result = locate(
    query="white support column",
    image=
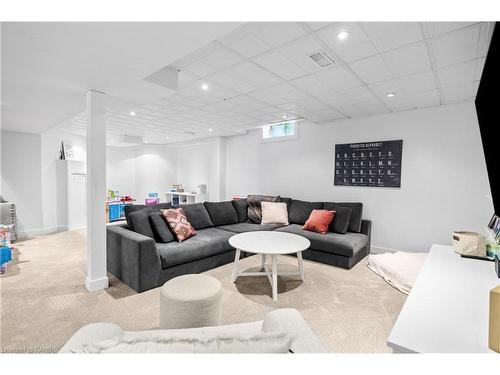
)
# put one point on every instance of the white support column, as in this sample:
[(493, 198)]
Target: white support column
[(96, 191)]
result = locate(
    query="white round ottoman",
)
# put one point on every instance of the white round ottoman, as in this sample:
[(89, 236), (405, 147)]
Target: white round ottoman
[(190, 301)]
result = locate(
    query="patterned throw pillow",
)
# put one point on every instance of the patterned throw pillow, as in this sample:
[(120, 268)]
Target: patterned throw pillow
[(255, 208), (178, 223)]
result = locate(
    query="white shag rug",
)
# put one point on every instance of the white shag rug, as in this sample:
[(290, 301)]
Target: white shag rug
[(399, 269)]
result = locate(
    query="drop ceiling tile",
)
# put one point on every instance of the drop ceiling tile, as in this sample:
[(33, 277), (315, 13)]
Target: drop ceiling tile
[(280, 65), (372, 69), (417, 82), (408, 60), (381, 89), (266, 96), (456, 47), (356, 47), (425, 99), (249, 45), (311, 104), (287, 92), (199, 69), (458, 73), (253, 75), (338, 79), (297, 51), (459, 92), (318, 25), (278, 33), (310, 85), (438, 28), (221, 59), (389, 35)]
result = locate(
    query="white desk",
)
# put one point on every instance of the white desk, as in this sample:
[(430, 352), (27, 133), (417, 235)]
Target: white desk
[(448, 308)]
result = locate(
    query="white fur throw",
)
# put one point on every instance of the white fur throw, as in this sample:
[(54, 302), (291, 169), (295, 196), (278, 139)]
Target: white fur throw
[(399, 269)]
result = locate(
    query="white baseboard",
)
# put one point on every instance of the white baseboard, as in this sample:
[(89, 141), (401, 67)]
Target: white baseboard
[(96, 285)]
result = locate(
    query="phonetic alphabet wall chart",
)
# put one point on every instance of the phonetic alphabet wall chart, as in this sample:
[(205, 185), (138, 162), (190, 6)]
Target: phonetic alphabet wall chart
[(369, 164)]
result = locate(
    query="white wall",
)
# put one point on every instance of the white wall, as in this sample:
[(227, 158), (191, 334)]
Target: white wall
[(50, 146), (120, 170), (444, 182), (202, 162), (155, 170), (21, 179)]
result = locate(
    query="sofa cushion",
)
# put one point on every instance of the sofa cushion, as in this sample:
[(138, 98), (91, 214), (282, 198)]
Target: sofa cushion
[(207, 242), (288, 202), (129, 208), (222, 213), (139, 222), (254, 206), (356, 215), (274, 213), (301, 210), (178, 223), (341, 218), (347, 244), (241, 207), (197, 215), (160, 228), (319, 221), (249, 227)]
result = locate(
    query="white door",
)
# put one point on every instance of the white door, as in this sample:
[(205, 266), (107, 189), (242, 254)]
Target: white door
[(77, 205)]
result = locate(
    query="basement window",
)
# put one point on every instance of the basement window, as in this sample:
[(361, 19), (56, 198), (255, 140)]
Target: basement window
[(280, 131)]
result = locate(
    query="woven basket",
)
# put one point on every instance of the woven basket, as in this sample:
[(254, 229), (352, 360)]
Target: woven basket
[(469, 243)]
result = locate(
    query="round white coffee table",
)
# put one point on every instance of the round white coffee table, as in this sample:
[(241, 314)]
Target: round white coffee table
[(269, 243)]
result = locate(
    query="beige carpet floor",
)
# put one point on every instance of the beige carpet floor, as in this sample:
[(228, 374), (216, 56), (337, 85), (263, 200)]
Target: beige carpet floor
[(43, 299)]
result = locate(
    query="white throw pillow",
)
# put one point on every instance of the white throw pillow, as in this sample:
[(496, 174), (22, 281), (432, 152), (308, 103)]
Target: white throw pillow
[(188, 343), (274, 213)]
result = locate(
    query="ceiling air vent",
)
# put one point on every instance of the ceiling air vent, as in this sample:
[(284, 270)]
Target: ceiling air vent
[(321, 59)]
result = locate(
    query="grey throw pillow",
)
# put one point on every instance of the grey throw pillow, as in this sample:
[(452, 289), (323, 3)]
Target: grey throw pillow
[(341, 219), (129, 208), (139, 221), (356, 215), (254, 211), (160, 228)]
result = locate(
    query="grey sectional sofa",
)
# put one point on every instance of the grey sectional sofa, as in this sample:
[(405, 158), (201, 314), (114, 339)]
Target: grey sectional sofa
[(138, 257)]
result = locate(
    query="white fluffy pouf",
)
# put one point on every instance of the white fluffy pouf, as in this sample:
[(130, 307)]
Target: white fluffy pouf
[(399, 269), (190, 301)]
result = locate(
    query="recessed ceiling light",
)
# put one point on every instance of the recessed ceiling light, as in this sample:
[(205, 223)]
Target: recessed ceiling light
[(132, 113), (343, 35), (166, 137), (210, 129), (284, 116), (204, 87), (391, 94)]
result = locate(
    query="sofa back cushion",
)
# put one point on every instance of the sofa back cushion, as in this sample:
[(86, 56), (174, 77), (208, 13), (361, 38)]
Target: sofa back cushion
[(254, 206), (129, 208), (222, 213), (341, 218), (356, 215), (178, 223), (160, 228), (288, 202), (241, 207), (197, 215), (301, 210), (139, 222)]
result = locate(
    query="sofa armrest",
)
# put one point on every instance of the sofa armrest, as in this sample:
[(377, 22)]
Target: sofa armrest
[(93, 332), (133, 258), (291, 322), (366, 228)]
